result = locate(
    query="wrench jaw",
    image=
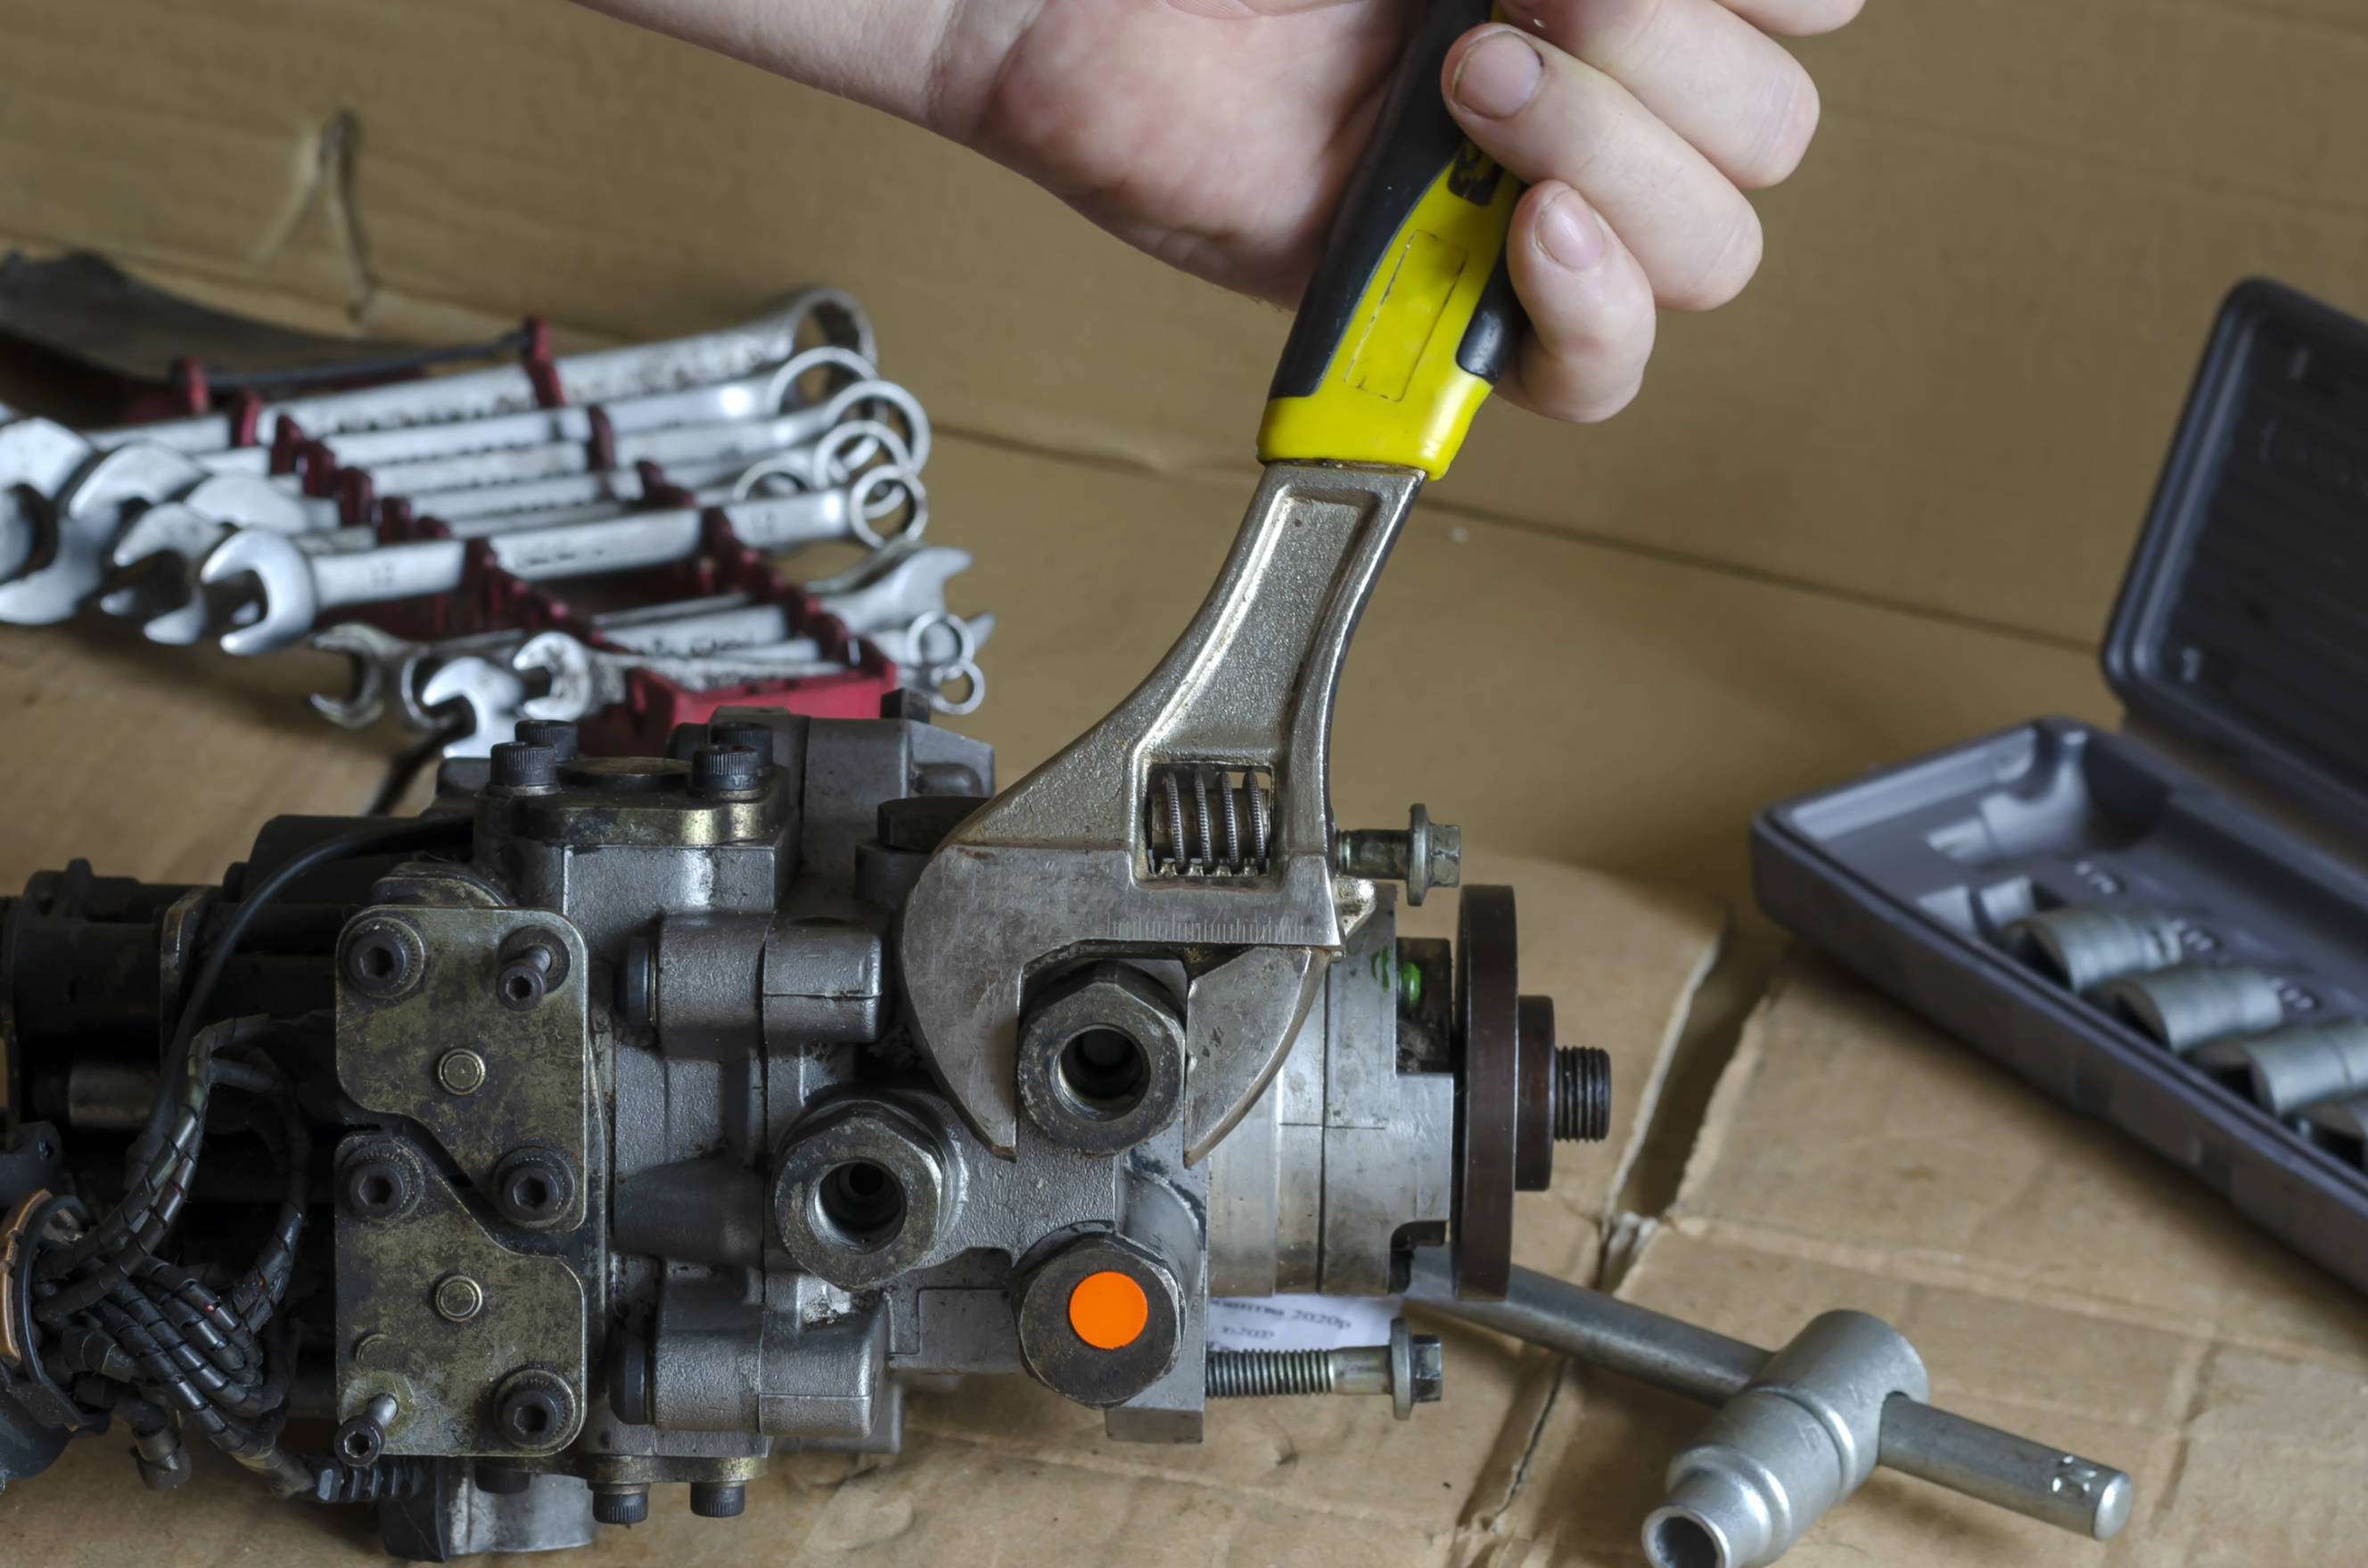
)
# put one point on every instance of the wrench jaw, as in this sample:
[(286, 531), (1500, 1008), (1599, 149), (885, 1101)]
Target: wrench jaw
[(283, 584), (1062, 864), (89, 512), (492, 695)]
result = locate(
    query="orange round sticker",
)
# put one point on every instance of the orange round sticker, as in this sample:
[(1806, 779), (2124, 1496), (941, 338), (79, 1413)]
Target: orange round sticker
[(1109, 1310)]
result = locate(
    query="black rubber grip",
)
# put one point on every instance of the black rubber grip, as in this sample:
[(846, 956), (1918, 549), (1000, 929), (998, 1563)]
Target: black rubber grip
[(1413, 138)]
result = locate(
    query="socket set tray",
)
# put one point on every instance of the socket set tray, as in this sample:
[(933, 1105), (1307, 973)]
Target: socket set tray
[(2166, 927)]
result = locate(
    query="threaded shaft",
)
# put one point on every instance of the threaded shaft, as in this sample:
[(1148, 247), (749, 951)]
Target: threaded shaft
[(1264, 1374), (1582, 1093), (391, 1478)]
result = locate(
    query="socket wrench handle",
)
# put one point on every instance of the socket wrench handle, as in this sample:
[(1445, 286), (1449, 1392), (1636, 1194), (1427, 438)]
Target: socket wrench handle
[(1917, 1440)]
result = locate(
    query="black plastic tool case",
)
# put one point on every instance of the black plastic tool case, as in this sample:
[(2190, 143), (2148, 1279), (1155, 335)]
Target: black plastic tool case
[(2236, 801)]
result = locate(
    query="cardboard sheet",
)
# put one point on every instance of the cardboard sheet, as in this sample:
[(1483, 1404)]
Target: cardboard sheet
[(2059, 1281)]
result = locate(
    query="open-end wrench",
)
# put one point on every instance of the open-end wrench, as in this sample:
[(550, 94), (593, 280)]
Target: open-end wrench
[(886, 597), (165, 591), (87, 515), (1397, 341), (37, 457), (295, 584), (766, 394), (834, 458), (601, 377), (749, 438)]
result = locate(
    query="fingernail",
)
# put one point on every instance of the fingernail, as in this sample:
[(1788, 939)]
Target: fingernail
[(1571, 233), (1500, 73)]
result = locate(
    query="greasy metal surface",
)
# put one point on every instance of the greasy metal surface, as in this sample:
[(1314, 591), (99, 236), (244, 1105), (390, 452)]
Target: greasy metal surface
[(442, 1373), (537, 1085), (1059, 859)]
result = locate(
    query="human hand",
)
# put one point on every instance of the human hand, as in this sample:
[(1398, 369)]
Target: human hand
[(1217, 134)]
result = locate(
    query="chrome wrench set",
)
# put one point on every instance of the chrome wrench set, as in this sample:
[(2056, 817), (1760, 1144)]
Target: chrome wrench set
[(584, 538)]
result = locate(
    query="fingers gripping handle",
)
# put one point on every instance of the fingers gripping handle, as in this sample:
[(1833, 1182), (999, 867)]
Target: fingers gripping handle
[(1410, 316)]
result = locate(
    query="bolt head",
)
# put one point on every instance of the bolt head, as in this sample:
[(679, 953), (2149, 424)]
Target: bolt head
[(461, 1071), (458, 1298)]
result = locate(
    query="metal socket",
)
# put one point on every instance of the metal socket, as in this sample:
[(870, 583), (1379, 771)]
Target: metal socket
[(1798, 1441), (2291, 1068), (2083, 946), (2194, 1003)]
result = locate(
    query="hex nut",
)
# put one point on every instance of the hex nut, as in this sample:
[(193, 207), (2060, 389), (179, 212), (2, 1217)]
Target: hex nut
[(1059, 1356), (534, 1187), (382, 957), (379, 1179), (534, 1410), (461, 1071), (861, 1193), (1102, 1059), (458, 1298)]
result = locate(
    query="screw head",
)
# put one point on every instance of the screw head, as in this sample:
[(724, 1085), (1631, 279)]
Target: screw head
[(461, 1071), (523, 765), (725, 769), (534, 1409), (458, 1298)]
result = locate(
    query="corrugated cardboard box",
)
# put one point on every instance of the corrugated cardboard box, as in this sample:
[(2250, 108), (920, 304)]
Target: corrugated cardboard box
[(1877, 506)]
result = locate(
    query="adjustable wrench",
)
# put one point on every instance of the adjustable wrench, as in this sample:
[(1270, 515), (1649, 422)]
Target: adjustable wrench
[(296, 585), (601, 377), (1402, 333)]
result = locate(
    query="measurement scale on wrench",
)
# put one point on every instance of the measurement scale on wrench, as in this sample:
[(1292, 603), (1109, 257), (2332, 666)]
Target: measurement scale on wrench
[(1195, 821)]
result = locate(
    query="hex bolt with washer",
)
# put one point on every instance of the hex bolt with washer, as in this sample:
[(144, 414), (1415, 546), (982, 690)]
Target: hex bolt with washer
[(534, 1187), (382, 957), (1426, 855), (1409, 1368), (534, 965), (1102, 1059), (458, 1298), (380, 1180), (533, 1409), (461, 1071)]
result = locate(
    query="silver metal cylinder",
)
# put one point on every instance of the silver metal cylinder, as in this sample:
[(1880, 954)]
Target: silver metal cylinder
[(2084, 947), (2194, 1003), (2294, 1067), (1800, 1438)]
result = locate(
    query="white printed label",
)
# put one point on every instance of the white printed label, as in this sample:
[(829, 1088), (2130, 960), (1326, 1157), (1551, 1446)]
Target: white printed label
[(1299, 1322)]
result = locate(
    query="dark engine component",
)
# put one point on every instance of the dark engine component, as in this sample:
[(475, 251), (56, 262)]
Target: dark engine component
[(573, 1138)]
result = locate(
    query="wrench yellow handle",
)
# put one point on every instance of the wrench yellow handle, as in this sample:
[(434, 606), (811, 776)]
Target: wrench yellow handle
[(1410, 316)]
